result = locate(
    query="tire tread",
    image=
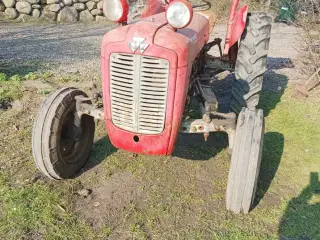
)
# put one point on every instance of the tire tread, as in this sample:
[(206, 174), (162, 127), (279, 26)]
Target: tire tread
[(251, 62)]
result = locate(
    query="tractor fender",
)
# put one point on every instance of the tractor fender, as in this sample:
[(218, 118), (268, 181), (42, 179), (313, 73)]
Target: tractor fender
[(239, 24)]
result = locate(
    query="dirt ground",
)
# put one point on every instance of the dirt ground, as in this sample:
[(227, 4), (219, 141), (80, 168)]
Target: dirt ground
[(146, 197)]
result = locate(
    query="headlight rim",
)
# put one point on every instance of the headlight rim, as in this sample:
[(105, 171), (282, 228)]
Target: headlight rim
[(125, 10), (188, 7)]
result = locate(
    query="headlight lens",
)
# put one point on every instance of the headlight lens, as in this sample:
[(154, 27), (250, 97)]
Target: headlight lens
[(116, 10), (179, 14)]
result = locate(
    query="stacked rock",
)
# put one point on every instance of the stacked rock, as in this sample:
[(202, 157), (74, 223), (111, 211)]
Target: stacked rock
[(53, 10)]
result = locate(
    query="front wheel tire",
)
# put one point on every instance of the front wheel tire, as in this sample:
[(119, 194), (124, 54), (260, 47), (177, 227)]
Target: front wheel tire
[(60, 149), (245, 161)]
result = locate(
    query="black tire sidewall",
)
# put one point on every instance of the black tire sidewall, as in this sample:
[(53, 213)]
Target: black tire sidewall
[(46, 135)]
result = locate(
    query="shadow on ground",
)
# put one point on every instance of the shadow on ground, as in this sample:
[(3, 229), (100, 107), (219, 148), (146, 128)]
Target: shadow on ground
[(279, 63), (193, 146), (100, 151), (302, 216), (273, 145), (20, 67)]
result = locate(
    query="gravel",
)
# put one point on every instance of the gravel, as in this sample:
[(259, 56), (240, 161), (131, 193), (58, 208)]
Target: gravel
[(60, 47)]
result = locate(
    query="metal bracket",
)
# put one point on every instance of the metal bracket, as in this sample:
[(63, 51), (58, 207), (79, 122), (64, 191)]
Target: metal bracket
[(215, 122), (83, 107)]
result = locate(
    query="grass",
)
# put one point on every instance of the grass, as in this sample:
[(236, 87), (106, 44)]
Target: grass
[(11, 85), (174, 197), (36, 210), (10, 89)]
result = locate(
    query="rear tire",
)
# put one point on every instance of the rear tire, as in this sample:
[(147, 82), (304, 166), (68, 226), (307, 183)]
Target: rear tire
[(251, 62), (59, 153), (245, 161)]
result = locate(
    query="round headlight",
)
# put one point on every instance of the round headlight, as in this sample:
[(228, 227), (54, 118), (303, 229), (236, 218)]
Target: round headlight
[(116, 10), (179, 13)]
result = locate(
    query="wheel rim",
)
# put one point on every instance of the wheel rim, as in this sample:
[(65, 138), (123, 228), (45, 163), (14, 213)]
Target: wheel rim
[(72, 144)]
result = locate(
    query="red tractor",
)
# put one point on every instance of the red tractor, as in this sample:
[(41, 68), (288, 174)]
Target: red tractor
[(153, 67)]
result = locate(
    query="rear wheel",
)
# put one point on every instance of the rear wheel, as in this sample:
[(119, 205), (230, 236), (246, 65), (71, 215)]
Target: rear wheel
[(60, 148), (251, 62), (245, 161)]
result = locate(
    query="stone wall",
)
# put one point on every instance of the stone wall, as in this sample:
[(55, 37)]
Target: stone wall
[(53, 10)]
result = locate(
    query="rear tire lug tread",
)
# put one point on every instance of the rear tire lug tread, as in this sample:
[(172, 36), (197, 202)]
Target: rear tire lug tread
[(251, 62)]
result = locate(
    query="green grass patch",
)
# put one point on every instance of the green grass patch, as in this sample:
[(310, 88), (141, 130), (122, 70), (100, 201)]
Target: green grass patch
[(3, 77), (37, 210), (9, 91)]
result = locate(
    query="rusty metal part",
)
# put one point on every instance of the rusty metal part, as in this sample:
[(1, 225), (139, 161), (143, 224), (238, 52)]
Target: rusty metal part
[(205, 135), (84, 106), (209, 100), (215, 122), (96, 94), (211, 103)]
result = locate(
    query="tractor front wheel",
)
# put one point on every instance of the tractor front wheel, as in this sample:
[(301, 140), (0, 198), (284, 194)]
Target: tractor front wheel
[(245, 161), (60, 148)]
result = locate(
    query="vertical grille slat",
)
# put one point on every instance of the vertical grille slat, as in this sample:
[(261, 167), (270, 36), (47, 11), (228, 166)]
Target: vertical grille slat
[(138, 90)]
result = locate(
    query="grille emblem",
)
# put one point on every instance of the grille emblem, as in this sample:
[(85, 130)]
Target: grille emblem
[(137, 43)]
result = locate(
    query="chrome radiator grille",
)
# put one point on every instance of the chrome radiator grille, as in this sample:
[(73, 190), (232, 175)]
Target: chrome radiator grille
[(138, 90)]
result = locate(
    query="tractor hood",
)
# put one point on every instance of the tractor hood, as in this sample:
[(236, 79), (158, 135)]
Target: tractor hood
[(139, 38)]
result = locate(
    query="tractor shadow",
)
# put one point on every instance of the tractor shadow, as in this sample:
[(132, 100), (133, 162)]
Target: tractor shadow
[(301, 217), (274, 85), (19, 67), (193, 146), (101, 149), (273, 145)]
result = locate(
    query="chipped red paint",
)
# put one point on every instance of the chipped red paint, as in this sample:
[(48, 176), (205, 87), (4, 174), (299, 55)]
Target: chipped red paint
[(239, 24), (180, 48)]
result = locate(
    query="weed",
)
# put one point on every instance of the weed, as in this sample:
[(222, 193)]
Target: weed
[(45, 91), (31, 76), (46, 75), (9, 91), (137, 231), (106, 232), (15, 78), (3, 77)]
